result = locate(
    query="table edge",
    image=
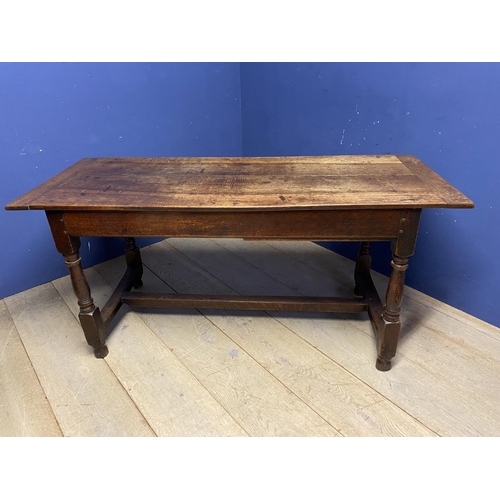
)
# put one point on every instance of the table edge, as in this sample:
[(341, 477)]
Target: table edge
[(452, 197)]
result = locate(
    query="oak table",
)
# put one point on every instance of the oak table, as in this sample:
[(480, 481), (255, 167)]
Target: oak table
[(327, 198)]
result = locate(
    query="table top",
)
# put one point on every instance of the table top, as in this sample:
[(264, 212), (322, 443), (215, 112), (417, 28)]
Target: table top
[(270, 183)]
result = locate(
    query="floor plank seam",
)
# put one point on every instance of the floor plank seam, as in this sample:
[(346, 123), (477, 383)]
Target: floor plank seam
[(413, 296), (109, 367), (357, 378), (36, 374), (451, 384), (409, 297), (236, 254), (458, 320), (132, 399), (248, 354), (458, 400), (304, 340), (179, 359), (337, 255), (335, 315), (278, 380)]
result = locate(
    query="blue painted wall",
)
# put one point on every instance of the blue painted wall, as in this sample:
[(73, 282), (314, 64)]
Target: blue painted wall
[(448, 115), (52, 115)]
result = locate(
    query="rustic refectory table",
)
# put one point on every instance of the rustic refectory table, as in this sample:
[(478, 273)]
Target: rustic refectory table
[(328, 198)]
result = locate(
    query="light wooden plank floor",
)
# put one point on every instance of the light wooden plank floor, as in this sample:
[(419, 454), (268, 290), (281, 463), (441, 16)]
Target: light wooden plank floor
[(235, 373)]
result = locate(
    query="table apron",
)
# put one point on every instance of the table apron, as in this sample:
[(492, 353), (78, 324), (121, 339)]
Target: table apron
[(316, 225)]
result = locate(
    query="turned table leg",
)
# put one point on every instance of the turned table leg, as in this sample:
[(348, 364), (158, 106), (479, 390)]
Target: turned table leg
[(363, 264), (391, 321), (89, 315), (390, 325)]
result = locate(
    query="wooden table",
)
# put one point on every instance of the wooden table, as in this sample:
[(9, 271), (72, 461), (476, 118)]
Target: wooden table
[(328, 198)]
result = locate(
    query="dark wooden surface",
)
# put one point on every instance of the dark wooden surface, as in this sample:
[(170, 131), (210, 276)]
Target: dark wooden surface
[(340, 225), (279, 183), (256, 303), (343, 198)]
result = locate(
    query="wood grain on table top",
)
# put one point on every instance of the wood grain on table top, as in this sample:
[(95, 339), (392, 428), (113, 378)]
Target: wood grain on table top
[(272, 183)]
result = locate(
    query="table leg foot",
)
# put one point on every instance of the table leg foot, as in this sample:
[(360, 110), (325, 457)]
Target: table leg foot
[(383, 365), (101, 352)]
